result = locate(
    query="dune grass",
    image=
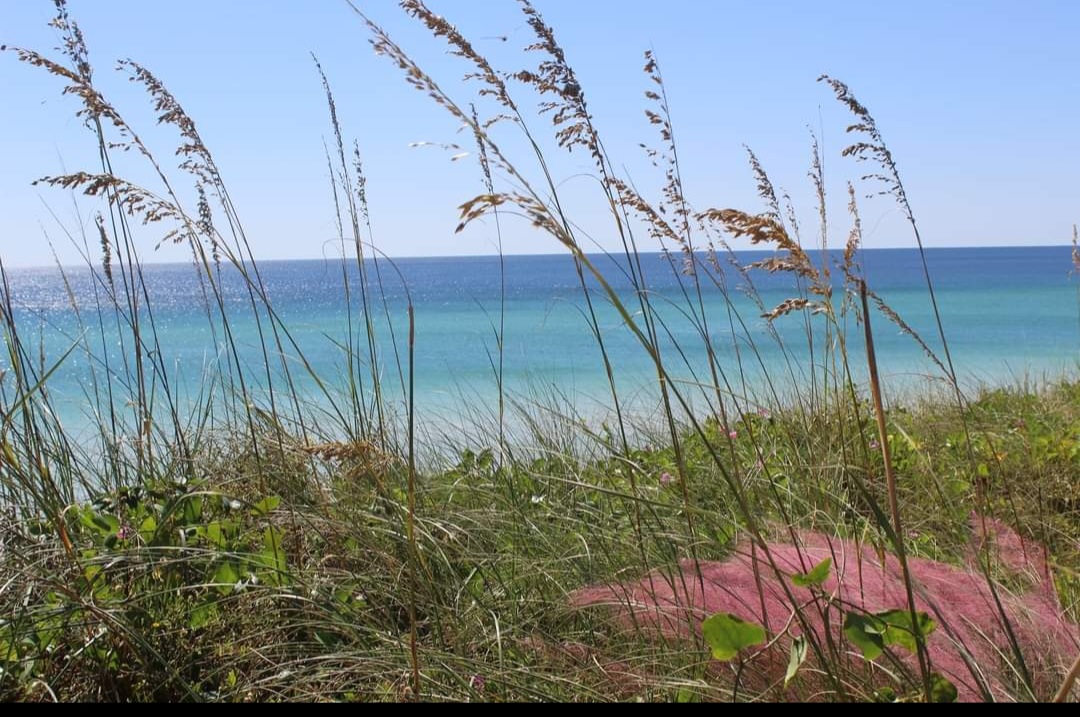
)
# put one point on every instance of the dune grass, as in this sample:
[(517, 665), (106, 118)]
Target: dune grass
[(269, 542)]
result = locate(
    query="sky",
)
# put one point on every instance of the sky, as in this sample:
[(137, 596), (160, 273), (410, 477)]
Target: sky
[(978, 100)]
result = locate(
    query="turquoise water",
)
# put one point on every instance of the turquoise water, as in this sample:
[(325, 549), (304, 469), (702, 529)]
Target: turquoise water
[(1008, 314)]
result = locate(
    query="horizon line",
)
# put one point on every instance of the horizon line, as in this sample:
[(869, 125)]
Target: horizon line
[(324, 259)]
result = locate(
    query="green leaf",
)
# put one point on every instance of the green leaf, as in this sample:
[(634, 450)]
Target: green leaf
[(900, 632), (104, 525), (148, 529), (866, 633), (91, 573), (273, 555), (8, 653), (816, 577), (193, 510), (798, 657), (727, 635), (226, 577), (47, 634), (107, 524), (686, 696), (873, 633), (216, 535), (942, 691), (886, 695), (202, 615), (266, 506)]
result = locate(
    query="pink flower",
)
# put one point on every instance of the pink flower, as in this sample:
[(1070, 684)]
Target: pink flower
[(125, 533), (478, 683), (733, 435), (765, 413), (874, 445), (666, 479)]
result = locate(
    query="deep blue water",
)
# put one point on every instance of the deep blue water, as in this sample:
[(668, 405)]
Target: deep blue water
[(1007, 313)]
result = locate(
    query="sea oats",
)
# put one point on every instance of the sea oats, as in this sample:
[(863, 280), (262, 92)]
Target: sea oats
[(106, 249)]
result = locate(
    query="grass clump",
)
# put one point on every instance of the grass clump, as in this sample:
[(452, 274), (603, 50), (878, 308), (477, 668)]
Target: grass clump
[(279, 537), (217, 589)]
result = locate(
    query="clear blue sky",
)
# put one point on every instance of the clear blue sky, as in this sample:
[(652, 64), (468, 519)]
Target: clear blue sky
[(979, 100)]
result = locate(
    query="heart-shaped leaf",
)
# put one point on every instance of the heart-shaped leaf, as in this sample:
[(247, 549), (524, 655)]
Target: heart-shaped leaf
[(899, 631), (873, 633), (942, 691), (727, 635), (866, 633), (816, 577)]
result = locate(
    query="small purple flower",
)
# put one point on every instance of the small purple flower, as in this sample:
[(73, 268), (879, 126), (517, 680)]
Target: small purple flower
[(478, 683), (733, 435), (125, 533), (765, 413), (666, 480), (874, 445)]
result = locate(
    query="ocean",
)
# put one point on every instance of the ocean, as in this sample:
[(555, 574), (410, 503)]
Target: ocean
[(1009, 314)]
